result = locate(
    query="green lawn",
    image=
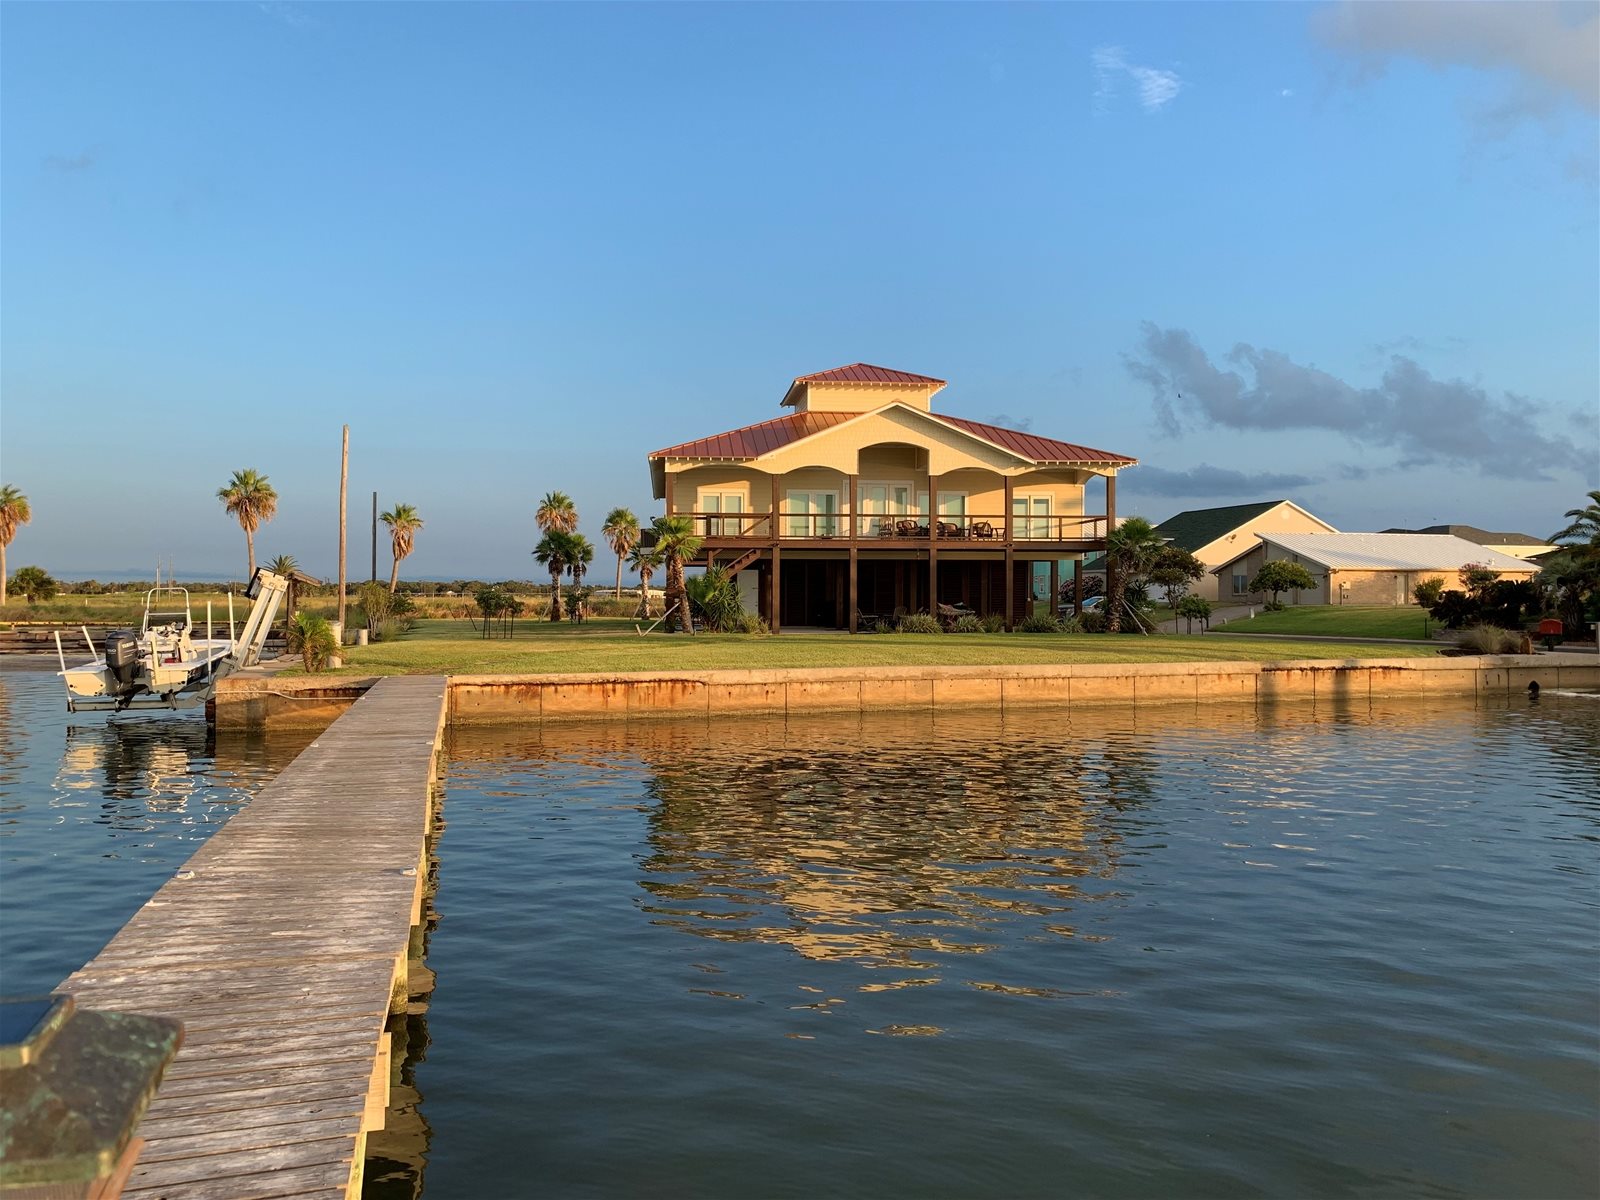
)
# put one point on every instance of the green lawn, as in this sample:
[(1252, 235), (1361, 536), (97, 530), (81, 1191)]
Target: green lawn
[(452, 648), (1334, 620)]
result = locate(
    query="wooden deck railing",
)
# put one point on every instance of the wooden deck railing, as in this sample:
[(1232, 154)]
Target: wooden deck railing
[(903, 528)]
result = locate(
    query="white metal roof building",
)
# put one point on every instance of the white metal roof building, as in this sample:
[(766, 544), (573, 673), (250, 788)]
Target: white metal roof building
[(1392, 551), (1364, 568)]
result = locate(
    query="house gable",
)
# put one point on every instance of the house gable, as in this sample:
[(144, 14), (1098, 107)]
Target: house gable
[(1216, 535)]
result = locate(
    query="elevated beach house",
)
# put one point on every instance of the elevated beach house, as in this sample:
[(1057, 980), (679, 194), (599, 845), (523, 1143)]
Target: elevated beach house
[(863, 502)]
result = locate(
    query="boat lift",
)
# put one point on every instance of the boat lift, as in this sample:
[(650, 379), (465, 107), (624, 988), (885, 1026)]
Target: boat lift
[(164, 665)]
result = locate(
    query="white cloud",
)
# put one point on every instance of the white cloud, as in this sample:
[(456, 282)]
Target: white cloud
[(1155, 88)]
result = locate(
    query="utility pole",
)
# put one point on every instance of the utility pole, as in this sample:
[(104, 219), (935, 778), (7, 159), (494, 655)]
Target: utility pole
[(344, 485), (374, 537)]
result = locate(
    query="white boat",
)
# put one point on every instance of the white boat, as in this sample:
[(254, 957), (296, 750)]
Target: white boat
[(163, 664)]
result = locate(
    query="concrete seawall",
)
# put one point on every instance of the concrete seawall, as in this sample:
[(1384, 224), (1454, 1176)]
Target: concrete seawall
[(253, 702)]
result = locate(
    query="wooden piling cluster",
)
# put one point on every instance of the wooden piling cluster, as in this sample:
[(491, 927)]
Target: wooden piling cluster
[(282, 945)]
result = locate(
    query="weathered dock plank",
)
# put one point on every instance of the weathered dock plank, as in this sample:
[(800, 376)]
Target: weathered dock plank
[(281, 944)]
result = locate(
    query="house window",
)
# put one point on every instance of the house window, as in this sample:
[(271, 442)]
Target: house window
[(1241, 584), (720, 503), (953, 508), (1030, 516), (883, 504), (811, 514)]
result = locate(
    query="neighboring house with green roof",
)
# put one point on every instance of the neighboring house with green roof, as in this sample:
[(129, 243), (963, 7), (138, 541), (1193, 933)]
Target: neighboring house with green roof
[(1218, 535)]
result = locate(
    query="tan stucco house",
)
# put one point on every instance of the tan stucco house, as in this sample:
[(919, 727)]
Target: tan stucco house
[(1215, 535), (1364, 568), (863, 501)]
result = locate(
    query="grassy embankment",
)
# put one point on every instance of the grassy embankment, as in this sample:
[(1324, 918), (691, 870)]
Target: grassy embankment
[(453, 648), (1335, 620)]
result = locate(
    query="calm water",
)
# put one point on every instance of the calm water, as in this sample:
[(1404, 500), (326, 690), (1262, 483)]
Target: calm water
[(97, 812), (1176, 953), (1183, 954)]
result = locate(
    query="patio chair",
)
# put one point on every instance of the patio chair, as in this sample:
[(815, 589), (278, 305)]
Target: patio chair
[(984, 531)]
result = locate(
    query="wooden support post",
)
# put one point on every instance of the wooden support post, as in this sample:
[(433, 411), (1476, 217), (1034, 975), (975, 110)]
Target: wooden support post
[(850, 503), (854, 606), (777, 590), (933, 544), (1009, 526), (1011, 584), (1111, 503), (1077, 586), (1055, 584), (666, 490)]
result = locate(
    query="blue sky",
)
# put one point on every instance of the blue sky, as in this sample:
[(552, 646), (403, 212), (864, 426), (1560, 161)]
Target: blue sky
[(1346, 254)]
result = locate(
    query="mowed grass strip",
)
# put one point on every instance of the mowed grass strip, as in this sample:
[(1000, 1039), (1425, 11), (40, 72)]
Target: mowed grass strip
[(453, 648), (1324, 620)]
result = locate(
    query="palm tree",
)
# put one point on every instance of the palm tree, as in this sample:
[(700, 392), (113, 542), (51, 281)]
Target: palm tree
[(646, 561), (556, 513), (555, 553), (250, 498), (676, 543), (14, 511), (582, 552), (403, 523), (286, 566), (1584, 529), (1130, 549), (621, 532)]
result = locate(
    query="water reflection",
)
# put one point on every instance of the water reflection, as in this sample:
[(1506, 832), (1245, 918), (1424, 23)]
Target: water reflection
[(897, 852)]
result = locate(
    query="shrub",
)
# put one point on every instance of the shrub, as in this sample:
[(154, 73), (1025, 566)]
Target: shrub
[(714, 597), (1040, 623), (1273, 606), (883, 625), (1069, 625), (754, 625), (993, 623), (1476, 576), (919, 623), (1454, 609), (377, 610), (966, 623), (312, 638), (1427, 592), (1093, 620), (1490, 639)]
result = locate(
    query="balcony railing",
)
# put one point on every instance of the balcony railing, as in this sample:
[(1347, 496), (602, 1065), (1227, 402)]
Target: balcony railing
[(968, 528)]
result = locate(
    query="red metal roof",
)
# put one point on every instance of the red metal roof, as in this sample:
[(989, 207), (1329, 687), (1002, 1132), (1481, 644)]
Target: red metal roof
[(752, 441), (866, 373), (1033, 447)]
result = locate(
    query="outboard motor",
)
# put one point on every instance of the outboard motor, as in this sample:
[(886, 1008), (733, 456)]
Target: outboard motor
[(122, 656)]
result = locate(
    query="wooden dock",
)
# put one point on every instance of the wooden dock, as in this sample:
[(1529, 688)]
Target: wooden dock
[(282, 947)]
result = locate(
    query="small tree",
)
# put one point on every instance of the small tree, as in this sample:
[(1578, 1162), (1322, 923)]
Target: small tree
[(1173, 570), (1279, 576), (311, 637), (1427, 592), (1475, 577), (1195, 608), (33, 584)]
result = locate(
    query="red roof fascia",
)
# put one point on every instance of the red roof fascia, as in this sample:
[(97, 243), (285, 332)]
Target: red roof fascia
[(752, 441), (866, 373), (1033, 447)]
